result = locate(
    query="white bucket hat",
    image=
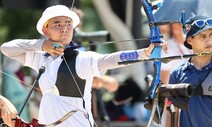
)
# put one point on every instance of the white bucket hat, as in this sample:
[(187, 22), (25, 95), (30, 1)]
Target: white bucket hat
[(54, 11)]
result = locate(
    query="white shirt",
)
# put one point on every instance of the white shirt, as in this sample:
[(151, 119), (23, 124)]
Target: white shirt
[(53, 106)]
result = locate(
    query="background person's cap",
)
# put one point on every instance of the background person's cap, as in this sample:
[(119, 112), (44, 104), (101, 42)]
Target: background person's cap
[(54, 11), (194, 30)]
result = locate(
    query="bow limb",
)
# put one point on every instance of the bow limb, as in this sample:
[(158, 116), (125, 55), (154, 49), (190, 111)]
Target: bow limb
[(62, 119), (35, 123)]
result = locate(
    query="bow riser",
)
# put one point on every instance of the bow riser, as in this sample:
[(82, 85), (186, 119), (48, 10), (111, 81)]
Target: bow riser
[(155, 37)]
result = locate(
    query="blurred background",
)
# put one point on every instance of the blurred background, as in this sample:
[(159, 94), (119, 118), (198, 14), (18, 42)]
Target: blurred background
[(103, 21)]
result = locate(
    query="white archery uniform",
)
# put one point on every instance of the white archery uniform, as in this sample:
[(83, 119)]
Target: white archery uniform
[(88, 64)]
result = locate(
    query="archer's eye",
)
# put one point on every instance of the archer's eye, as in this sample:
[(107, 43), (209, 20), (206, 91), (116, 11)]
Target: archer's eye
[(69, 24), (57, 25), (202, 37)]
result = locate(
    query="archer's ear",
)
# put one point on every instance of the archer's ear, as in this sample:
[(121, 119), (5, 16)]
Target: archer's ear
[(189, 41), (44, 29)]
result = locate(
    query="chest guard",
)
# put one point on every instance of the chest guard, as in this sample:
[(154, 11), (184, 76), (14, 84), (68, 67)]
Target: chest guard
[(65, 82)]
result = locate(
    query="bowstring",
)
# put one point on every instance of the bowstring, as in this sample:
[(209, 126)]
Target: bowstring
[(72, 5), (66, 27), (77, 85)]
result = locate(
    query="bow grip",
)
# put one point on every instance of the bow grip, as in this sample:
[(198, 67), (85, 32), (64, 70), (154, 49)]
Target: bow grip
[(21, 123)]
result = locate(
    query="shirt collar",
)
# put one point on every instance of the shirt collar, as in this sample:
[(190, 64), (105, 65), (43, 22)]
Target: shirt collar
[(189, 65)]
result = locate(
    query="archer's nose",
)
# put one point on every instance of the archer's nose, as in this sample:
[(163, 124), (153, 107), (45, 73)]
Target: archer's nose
[(63, 30)]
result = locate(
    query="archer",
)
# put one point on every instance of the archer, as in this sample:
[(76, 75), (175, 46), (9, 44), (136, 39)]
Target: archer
[(67, 80)]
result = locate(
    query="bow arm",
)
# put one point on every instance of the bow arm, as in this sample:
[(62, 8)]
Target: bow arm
[(167, 59)]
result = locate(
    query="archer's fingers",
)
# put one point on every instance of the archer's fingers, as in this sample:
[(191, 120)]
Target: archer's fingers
[(58, 45), (164, 46), (59, 51), (48, 45), (8, 119)]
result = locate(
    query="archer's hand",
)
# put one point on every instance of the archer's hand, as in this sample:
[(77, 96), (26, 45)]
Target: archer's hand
[(8, 112), (164, 46), (49, 47), (107, 82), (9, 119)]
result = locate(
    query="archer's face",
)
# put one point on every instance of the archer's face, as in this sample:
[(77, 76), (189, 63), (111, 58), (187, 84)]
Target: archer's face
[(59, 29), (201, 42)]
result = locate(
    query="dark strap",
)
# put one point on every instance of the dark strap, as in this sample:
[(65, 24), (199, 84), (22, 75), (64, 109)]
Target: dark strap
[(198, 91), (65, 82), (205, 88)]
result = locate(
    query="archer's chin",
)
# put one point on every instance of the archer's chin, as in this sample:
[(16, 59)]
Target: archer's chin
[(66, 40)]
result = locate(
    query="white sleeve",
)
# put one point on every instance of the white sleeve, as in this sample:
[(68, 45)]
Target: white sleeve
[(110, 61), (34, 59), (89, 64), (17, 49)]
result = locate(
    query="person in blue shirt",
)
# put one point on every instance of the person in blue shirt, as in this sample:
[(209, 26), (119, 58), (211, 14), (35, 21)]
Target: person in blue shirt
[(197, 71)]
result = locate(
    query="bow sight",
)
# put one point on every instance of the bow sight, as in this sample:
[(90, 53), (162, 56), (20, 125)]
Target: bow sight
[(178, 94)]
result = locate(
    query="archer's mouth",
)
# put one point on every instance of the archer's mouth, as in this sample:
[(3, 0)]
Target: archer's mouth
[(64, 35), (209, 46)]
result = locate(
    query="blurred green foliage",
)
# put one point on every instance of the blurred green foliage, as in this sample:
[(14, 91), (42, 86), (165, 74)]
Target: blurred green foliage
[(91, 21), (18, 23)]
